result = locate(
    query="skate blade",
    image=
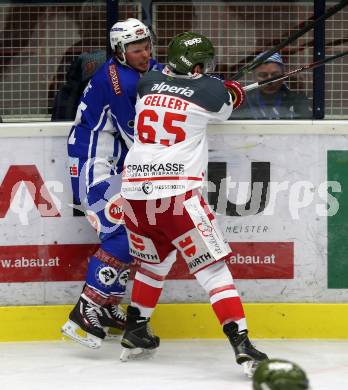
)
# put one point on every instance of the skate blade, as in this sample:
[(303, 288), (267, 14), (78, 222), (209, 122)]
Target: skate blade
[(136, 354), (72, 330), (249, 368)]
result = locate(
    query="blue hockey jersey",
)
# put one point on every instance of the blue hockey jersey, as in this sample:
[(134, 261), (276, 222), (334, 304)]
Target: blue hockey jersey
[(104, 125)]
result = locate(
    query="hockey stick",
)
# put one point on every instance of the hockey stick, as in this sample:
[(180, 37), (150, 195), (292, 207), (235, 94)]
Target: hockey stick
[(299, 49), (308, 26), (283, 76)]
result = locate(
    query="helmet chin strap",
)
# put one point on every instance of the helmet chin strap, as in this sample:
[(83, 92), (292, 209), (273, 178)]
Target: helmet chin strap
[(120, 55), (123, 60)]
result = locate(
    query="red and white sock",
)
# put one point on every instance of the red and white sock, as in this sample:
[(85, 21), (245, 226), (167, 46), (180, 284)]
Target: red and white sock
[(148, 284), (224, 298)]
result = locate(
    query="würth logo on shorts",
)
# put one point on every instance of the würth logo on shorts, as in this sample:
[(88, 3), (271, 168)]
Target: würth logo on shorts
[(137, 242), (187, 246), (194, 250), (142, 248), (199, 261)]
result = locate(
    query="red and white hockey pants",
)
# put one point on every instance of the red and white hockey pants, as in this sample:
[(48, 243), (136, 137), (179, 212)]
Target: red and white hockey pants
[(158, 229)]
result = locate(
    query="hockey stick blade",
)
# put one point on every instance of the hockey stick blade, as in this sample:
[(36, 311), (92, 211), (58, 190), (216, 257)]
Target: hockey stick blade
[(313, 65), (297, 34)]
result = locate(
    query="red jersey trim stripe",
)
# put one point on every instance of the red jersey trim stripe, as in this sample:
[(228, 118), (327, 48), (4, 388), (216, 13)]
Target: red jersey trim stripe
[(220, 289), (163, 178), (151, 275)]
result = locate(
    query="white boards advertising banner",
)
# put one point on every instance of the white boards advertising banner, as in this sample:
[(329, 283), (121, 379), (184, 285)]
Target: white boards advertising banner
[(272, 195)]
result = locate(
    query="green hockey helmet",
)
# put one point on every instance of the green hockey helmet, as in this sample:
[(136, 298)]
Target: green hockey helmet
[(189, 49), (277, 374)]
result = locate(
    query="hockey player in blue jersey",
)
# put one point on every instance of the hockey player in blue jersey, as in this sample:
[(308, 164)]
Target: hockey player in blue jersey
[(98, 143)]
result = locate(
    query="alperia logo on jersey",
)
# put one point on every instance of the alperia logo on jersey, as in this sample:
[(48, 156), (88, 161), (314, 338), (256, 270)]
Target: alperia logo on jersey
[(193, 41), (163, 87)]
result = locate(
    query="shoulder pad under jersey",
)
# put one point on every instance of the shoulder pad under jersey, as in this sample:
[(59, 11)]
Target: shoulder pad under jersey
[(207, 92)]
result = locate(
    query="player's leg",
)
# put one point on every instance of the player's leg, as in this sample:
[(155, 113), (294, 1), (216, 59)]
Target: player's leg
[(107, 276), (98, 304), (151, 240), (217, 281), (204, 250), (138, 339), (148, 283), (107, 273), (83, 324), (148, 243)]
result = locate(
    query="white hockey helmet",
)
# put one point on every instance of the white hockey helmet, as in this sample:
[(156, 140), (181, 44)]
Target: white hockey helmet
[(125, 32)]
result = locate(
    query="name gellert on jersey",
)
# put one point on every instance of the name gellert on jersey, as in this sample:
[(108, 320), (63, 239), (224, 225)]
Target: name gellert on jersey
[(166, 101)]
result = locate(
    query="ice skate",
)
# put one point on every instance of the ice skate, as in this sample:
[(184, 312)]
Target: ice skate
[(138, 341), (246, 354), (113, 319), (84, 325)]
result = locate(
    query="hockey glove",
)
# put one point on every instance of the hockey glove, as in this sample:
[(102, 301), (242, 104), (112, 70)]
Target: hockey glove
[(237, 92)]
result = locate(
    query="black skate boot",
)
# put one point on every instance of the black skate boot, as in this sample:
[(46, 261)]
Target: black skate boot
[(138, 341), (85, 315), (246, 354), (113, 318)]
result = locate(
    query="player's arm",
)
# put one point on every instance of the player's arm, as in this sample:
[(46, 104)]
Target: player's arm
[(93, 131), (94, 101), (236, 91)]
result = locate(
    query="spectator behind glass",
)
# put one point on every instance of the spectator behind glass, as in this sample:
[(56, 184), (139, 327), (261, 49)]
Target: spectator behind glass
[(275, 100)]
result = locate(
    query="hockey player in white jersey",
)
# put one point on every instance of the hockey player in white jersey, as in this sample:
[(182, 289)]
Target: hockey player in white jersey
[(162, 181)]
